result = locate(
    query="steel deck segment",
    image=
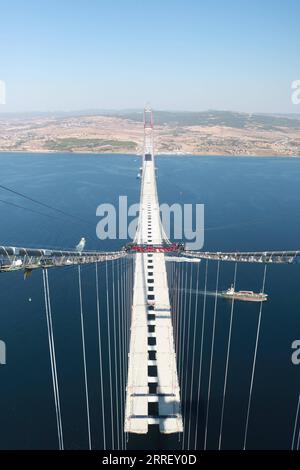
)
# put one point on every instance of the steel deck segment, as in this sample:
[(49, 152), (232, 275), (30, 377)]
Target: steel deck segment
[(265, 257), (167, 394)]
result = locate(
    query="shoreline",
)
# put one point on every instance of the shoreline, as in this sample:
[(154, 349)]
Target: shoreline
[(51, 152)]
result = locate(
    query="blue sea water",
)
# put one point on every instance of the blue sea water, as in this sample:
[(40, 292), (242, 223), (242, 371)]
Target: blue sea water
[(250, 204)]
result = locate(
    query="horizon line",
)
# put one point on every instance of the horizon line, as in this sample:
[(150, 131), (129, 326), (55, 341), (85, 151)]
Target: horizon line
[(140, 110)]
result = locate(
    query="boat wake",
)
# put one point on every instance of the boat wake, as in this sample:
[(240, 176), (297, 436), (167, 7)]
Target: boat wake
[(210, 293)]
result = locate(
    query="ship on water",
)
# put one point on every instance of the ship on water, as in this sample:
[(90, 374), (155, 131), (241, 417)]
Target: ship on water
[(245, 295)]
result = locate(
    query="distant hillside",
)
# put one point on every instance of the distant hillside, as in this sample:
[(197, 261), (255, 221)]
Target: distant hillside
[(216, 118), (179, 118), (191, 133)]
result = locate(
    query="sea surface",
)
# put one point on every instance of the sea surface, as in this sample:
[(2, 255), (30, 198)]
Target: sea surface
[(250, 204)]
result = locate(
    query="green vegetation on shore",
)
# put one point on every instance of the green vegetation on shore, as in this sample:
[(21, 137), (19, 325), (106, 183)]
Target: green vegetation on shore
[(73, 143)]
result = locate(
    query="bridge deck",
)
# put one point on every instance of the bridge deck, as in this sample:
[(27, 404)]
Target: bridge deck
[(152, 374)]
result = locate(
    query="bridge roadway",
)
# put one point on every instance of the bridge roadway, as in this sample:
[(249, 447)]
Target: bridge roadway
[(152, 386)]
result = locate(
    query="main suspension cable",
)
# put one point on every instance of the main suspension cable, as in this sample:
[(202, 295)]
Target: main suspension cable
[(254, 361), (84, 360), (109, 359), (201, 354), (53, 359), (227, 359), (193, 355), (211, 357), (100, 358)]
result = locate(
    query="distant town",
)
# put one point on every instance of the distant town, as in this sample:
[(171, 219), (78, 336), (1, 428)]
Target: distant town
[(194, 133)]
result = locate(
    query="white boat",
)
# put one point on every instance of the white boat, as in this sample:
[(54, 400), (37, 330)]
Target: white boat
[(245, 295)]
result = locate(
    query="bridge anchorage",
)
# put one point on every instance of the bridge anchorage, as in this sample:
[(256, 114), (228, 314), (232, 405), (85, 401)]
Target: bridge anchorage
[(155, 346)]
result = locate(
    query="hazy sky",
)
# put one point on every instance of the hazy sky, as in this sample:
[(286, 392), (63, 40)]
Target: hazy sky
[(177, 54)]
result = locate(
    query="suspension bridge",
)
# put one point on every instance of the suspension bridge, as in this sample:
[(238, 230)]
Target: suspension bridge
[(151, 328)]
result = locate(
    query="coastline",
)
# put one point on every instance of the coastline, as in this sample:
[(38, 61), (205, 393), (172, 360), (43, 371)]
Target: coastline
[(103, 154)]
